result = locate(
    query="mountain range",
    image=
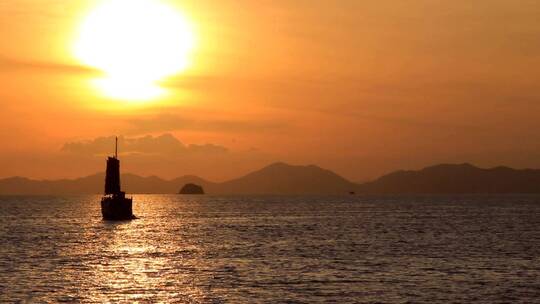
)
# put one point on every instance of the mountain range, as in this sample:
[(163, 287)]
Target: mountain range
[(281, 178)]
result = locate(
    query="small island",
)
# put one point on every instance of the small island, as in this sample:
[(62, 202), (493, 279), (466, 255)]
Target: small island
[(191, 189)]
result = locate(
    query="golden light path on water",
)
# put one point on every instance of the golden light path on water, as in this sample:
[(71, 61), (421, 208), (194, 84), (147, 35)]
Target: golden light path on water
[(135, 258), (136, 44)]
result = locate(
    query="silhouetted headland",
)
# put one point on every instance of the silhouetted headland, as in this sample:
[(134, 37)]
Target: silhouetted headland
[(191, 189)]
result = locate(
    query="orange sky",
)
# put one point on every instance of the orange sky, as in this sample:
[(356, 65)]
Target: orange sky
[(360, 87)]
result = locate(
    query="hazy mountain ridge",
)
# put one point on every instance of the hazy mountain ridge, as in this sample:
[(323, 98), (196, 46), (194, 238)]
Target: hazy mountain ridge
[(93, 184), (456, 178), (281, 178)]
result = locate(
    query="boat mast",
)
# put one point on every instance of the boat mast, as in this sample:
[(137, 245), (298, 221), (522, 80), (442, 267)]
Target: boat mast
[(116, 148)]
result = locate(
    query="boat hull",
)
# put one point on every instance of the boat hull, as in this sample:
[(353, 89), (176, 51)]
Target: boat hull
[(117, 208)]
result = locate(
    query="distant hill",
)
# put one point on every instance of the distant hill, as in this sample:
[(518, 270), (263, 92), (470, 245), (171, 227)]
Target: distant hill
[(281, 178), (457, 179), (21, 185)]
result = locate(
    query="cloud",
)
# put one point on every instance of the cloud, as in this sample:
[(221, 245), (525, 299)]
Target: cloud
[(15, 64), (173, 122), (162, 155), (165, 144)]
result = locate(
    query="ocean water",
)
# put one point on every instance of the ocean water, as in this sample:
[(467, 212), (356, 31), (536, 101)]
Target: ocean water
[(210, 249)]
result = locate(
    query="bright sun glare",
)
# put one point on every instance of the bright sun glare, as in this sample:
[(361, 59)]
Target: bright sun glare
[(136, 43)]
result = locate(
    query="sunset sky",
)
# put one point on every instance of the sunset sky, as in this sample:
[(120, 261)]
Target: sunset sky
[(220, 88)]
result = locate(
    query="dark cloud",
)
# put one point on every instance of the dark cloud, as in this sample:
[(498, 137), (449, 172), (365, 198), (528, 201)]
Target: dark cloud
[(165, 144)]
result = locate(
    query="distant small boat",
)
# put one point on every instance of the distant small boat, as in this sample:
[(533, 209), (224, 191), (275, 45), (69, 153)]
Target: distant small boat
[(114, 205)]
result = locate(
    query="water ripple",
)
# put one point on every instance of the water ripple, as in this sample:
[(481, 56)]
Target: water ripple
[(428, 249)]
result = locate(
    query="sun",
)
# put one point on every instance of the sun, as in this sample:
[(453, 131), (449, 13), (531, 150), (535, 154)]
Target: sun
[(135, 43)]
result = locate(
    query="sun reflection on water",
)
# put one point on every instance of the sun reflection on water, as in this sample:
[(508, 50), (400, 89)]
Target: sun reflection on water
[(138, 263)]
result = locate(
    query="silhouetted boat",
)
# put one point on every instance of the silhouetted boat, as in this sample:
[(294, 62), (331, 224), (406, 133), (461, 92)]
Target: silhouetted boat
[(114, 205)]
